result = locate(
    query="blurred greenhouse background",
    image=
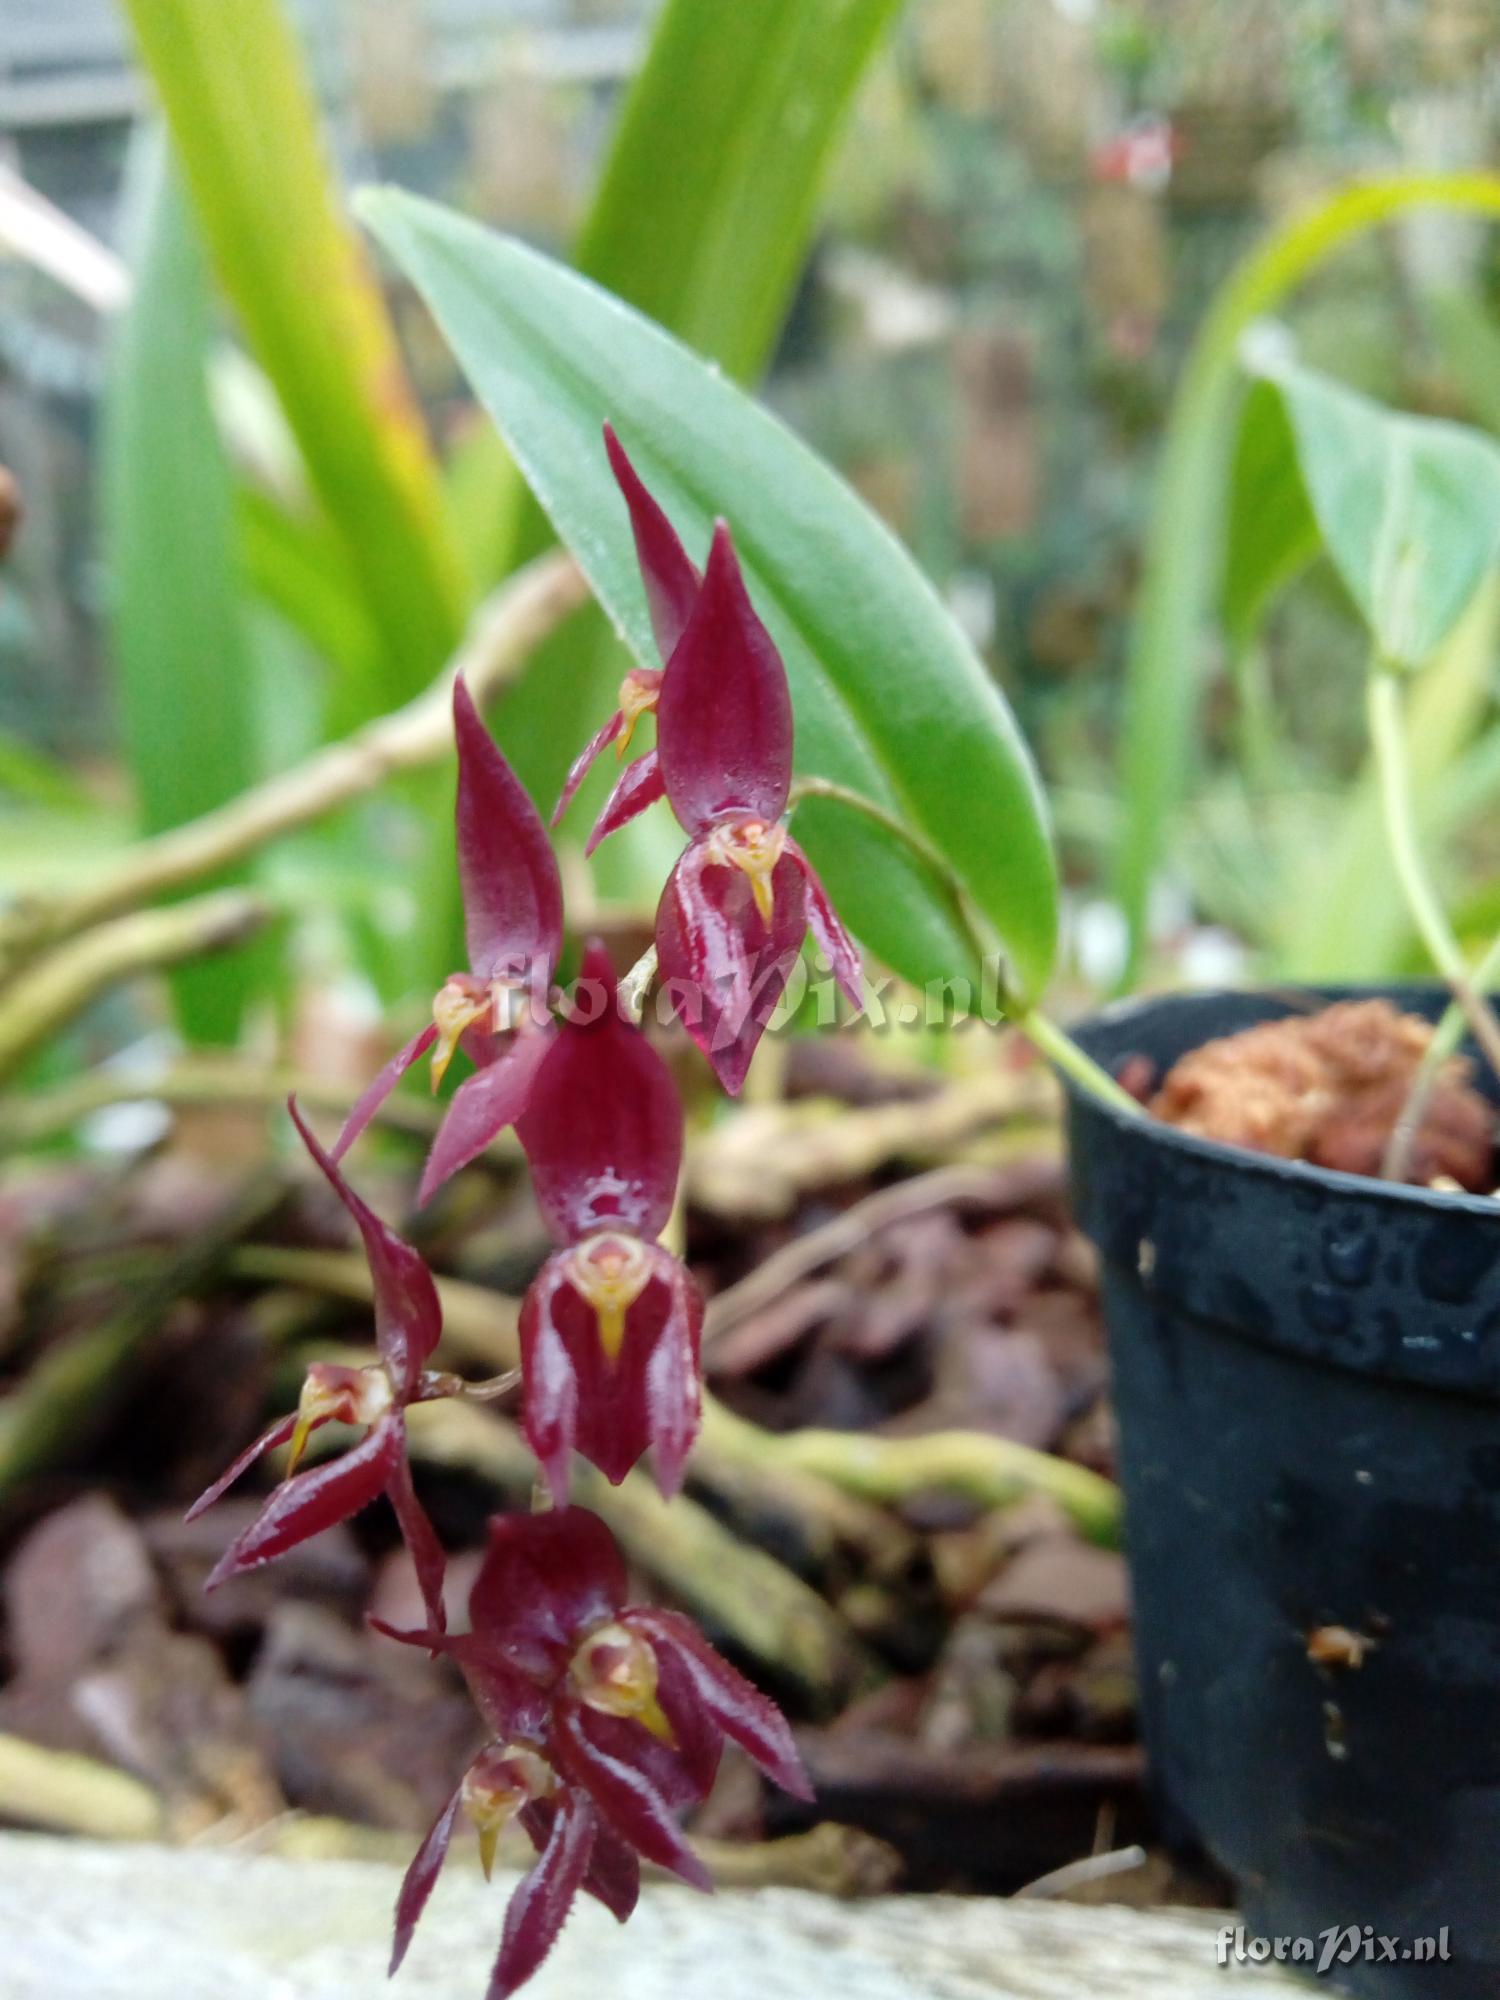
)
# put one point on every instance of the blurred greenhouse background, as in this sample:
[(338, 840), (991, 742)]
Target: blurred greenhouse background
[(1023, 221)]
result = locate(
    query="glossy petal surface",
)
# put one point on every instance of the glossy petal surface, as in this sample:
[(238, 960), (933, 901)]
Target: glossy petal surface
[(417, 1883), (420, 1537), (512, 892), (612, 1411), (828, 932), (670, 576), (741, 1711), (602, 1127), (724, 719), (618, 1777), (408, 1318), (304, 1506), (539, 1906), (482, 1107), (723, 968), (375, 1094), (585, 761), (545, 1579), (275, 1434), (638, 786)]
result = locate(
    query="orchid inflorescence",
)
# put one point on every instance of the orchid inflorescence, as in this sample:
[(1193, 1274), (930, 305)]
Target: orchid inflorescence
[(605, 1720)]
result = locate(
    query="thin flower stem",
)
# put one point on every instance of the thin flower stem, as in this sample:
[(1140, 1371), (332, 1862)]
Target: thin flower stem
[(1446, 1037), (1044, 1034), (1064, 1053), (1388, 736)]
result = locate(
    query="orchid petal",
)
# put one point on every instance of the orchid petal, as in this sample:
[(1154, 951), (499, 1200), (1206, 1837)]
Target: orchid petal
[(638, 786), (673, 1397), (408, 1317), (540, 1905), (585, 761), (512, 893), (550, 1411), (670, 576), (482, 1107), (724, 718), (416, 1884), (744, 1714), (312, 1501), (420, 1537), (723, 968), (375, 1094), (614, 1877), (630, 1803), (544, 1580), (275, 1434), (602, 1127), (828, 932)]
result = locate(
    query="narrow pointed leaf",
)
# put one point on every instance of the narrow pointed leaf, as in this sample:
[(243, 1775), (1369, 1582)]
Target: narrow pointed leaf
[(888, 697), (181, 661), (244, 127)]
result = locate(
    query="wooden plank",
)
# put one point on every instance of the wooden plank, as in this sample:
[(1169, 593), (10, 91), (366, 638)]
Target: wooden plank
[(80, 1921)]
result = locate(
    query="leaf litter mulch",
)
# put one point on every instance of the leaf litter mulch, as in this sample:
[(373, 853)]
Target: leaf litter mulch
[(887, 1258)]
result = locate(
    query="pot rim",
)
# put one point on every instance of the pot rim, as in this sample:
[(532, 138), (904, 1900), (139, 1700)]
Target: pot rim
[(1269, 1166)]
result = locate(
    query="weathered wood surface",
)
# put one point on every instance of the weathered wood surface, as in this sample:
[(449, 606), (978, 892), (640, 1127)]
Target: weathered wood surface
[(86, 1922)]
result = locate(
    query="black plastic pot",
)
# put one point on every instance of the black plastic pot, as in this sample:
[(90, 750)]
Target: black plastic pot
[(1307, 1378)]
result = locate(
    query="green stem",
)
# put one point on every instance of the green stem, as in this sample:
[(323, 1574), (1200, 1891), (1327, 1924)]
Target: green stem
[(1064, 1053), (1045, 1035), (1387, 734), (1446, 1037)]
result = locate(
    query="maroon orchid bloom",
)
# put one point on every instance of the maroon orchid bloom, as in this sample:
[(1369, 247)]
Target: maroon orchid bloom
[(610, 1325), (408, 1324), (671, 581), (743, 896), (609, 1721), (497, 1010)]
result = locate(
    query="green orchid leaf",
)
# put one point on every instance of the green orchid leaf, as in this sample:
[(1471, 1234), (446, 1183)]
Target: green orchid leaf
[(890, 700), (1408, 507), (181, 665)]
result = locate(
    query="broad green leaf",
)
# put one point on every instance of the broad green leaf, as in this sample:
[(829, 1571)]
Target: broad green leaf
[(889, 698), (244, 128), (1468, 340), (1270, 531), (701, 220), (179, 656), (1408, 508), (1169, 655)]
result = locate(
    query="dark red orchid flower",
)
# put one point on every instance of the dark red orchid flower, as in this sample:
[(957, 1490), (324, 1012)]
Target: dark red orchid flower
[(408, 1324), (744, 895), (497, 1010), (610, 1325), (671, 581), (609, 1721)]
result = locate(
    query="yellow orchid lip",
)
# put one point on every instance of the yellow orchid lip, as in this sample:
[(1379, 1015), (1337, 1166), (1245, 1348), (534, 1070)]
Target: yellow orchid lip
[(611, 1271), (615, 1671), (754, 846), (638, 697), (331, 1394), (496, 1787), (460, 1004)]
